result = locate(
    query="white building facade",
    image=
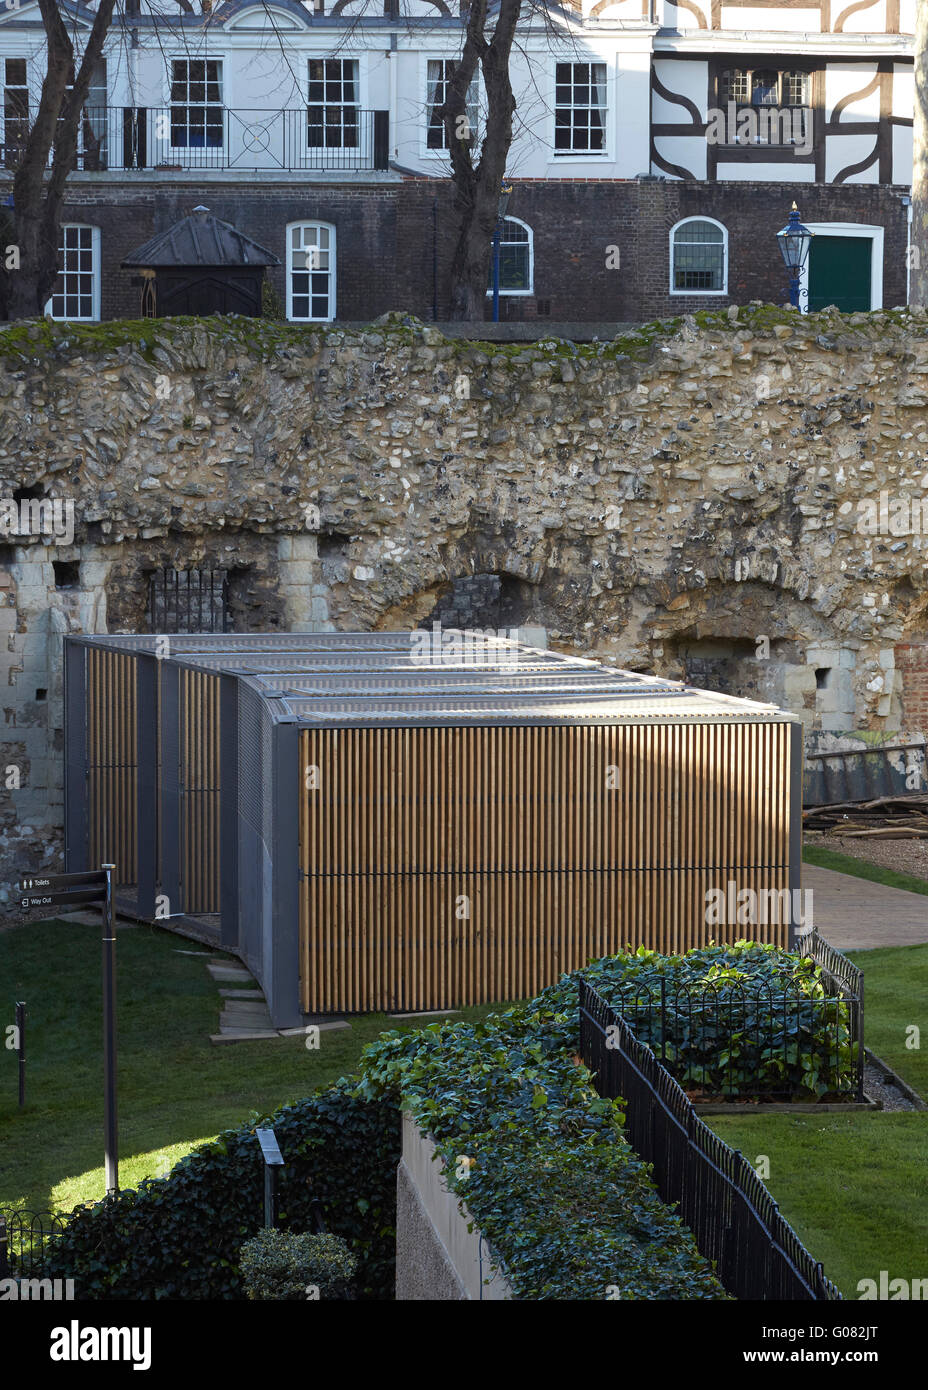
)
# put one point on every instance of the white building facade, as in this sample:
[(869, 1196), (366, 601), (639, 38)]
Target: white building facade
[(658, 147)]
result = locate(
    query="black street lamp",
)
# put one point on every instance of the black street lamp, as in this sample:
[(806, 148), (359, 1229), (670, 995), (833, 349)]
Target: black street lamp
[(794, 240), (503, 204)]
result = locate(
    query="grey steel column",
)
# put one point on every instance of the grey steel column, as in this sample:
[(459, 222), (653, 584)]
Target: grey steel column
[(146, 667), (170, 787), (110, 1130), (795, 826), (283, 989)]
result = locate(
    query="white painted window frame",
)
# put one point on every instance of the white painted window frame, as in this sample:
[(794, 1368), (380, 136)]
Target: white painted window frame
[(598, 157), (333, 267), (361, 58), (168, 105), (699, 217), (517, 294), (444, 156), (97, 273)]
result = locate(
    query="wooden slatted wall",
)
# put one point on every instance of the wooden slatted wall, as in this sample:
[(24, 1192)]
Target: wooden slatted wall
[(112, 762), (561, 843)]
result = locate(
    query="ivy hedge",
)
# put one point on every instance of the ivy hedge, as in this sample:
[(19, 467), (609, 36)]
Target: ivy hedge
[(180, 1236), (539, 1157), (743, 1020)]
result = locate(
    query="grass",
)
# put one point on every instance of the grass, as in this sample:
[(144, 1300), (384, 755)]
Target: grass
[(853, 1187), (859, 868), (176, 1088), (895, 1003)]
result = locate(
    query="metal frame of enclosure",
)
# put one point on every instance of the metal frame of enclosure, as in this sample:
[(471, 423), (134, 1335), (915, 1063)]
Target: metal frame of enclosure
[(402, 822)]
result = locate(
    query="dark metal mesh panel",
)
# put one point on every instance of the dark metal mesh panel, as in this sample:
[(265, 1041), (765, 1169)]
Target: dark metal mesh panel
[(254, 865)]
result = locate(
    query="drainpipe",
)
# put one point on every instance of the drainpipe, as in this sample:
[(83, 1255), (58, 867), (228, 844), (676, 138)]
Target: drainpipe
[(434, 258), (907, 204), (392, 55)]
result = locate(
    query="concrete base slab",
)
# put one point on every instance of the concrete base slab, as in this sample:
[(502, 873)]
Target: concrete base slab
[(323, 1028), (242, 1035)]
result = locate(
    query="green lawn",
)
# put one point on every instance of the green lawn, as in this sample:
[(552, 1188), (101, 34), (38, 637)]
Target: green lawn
[(176, 1088), (853, 1187), (896, 1003)]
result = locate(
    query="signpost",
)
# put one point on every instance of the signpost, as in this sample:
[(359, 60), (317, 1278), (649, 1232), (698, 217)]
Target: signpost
[(21, 1049), (273, 1159), (74, 890)]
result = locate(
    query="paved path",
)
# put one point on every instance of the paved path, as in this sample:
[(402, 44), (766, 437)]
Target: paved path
[(854, 914)]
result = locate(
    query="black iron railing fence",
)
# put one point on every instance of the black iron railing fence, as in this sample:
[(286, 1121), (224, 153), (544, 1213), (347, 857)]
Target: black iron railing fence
[(734, 1039), (308, 138), (718, 1194), (24, 1238)]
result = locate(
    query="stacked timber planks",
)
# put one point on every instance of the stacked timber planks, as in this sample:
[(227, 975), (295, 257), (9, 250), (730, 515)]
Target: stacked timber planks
[(885, 818)]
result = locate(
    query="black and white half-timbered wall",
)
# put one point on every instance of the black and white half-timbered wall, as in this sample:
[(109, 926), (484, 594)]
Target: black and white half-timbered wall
[(659, 145)]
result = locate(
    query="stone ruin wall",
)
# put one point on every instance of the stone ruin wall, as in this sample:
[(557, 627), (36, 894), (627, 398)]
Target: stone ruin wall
[(698, 503)]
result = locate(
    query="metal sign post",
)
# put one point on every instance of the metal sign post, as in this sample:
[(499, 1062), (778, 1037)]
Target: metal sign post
[(273, 1159), (75, 890), (21, 1049), (111, 1142)]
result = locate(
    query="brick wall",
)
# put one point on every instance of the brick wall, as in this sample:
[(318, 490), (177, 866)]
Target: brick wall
[(395, 241), (912, 662)]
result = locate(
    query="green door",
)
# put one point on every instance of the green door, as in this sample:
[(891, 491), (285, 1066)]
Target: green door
[(839, 272)]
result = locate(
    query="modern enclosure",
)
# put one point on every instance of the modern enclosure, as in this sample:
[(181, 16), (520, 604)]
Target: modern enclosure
[(414, 821)]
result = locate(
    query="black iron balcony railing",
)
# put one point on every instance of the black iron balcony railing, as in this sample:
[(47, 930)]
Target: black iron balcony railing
[(311, 138)]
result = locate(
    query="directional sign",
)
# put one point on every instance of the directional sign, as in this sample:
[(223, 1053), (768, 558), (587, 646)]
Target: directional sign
[(58, 883), (89, 895)]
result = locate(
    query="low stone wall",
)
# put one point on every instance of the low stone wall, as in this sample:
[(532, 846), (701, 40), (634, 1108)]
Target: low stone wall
[(437, 1257)]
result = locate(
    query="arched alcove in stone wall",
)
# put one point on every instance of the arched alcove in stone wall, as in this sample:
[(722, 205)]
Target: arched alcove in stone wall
[(195, 585)]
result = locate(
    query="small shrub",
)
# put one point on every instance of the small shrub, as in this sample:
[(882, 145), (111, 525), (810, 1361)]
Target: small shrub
[(285, 1266), (271, 305)]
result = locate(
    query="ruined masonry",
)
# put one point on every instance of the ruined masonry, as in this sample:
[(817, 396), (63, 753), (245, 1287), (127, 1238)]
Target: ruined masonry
[(740, 501)]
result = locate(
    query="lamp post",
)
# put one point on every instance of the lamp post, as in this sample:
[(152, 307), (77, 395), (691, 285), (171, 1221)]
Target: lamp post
[(503, 204), (794, 240)]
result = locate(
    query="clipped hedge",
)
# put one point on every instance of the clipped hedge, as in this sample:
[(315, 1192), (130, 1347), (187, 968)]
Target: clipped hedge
[(742, 1020), (293, 1268), (180, 1236), (570, 1210), (568, 1207)]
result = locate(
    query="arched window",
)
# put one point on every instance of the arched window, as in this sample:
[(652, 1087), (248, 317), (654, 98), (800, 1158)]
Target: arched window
[(516, 258), (310, 272), (698, 257), (76, 295)]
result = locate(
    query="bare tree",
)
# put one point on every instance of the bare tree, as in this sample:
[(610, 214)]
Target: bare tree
[(28, 270), (52, 140), (477, 181), (919, 281)]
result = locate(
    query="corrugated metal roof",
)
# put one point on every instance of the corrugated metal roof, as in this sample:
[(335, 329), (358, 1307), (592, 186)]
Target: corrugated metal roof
[(200, 240), (345, 679)]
